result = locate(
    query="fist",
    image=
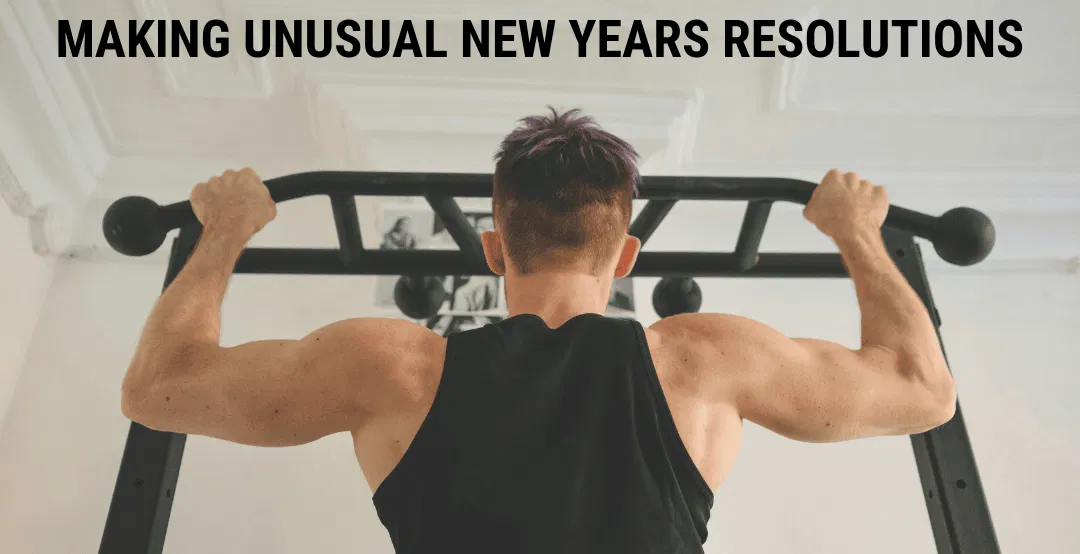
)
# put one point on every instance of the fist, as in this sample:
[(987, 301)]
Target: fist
[(843, 203), (235, 201)]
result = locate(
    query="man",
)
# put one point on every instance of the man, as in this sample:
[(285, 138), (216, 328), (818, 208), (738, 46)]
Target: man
[(557, 429)]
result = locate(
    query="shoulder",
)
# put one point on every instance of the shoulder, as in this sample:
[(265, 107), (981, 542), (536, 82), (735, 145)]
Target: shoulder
[(702, 332), (387, 351), (387, 333), (713, 348)]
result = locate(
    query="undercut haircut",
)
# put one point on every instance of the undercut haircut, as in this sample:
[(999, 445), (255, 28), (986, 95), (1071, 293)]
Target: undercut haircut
[(563, 193)]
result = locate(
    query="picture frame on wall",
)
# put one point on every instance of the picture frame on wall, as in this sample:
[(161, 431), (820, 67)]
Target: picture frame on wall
[(472, 300)]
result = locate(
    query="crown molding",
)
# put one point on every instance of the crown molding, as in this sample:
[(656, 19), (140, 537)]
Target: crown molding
[(799, 93), (246, 78), (1006, 189), (389, 118), (51, 149), (72, 120), (805, 86)]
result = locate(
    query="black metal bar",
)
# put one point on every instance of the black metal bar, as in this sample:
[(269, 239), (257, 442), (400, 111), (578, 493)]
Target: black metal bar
[(955, 500), (347, 224), (150, 466), (316, 261), (646, 223), (466, 237), (479, 185), (136, 226), (753, 228)]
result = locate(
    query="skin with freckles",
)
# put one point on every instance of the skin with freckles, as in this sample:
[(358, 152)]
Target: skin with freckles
[(376, 378)]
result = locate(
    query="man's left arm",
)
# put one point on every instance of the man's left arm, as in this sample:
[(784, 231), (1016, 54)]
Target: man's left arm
[(266, 393)]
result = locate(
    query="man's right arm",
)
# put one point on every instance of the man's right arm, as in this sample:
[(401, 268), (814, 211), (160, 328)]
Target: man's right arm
[(896, 383)]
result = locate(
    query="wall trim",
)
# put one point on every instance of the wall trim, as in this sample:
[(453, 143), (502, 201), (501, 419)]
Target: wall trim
[(1007, 189), (72, 119)]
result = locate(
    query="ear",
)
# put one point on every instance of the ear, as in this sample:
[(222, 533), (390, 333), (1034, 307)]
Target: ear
[(493, 252), (628, 256)]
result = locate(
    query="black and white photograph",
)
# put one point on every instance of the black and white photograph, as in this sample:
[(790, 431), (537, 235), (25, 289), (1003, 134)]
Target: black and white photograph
[(417, 227), (621, 300), (446, 325), (400, 228), (472, 300)]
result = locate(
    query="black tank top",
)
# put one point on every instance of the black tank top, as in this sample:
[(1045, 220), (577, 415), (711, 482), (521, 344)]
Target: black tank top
[(547, 441)]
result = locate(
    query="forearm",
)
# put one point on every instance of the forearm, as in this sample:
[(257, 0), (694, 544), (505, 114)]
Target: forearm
[(187, 316), (893, 316)]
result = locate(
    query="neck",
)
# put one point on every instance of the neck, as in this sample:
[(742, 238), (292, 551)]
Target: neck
[(556, 297)]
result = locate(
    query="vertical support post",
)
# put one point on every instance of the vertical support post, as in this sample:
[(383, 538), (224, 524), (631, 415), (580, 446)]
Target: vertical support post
[(347, 224), (951, 487), (467, 239), (645, 224), (146, 481), (753, 228)]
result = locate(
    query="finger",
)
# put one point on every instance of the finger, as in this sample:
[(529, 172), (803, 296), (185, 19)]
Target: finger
[(852, 180), (880, 192), (833, 175), (866, 186)]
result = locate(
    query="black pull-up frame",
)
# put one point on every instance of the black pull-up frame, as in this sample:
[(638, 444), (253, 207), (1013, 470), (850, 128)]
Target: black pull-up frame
[(149, 469)]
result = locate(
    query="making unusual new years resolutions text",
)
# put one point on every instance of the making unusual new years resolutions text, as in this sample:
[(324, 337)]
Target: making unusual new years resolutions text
[(603, 38)]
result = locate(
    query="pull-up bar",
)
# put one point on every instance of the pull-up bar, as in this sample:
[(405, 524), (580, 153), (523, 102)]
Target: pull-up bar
[(137, 226), (948, 477)]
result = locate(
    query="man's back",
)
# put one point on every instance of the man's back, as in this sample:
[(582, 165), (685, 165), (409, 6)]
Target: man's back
[(543, 440)]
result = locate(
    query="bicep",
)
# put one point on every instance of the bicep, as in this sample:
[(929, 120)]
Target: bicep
[(283, 392), (806, 389)]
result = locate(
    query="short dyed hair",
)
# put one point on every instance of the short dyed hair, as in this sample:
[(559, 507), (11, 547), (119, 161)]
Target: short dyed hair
[(563, 192)]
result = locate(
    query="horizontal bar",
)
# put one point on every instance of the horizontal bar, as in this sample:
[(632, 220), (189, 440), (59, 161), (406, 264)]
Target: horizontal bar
[(315, 261), (137, 226), (479, 185)]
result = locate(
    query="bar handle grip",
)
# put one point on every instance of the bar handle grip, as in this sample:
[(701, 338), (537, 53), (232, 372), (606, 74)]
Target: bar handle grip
[(137, 226)]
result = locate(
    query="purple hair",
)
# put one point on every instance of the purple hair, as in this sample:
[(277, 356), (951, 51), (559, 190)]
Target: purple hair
[(546, 153), (563, 192)]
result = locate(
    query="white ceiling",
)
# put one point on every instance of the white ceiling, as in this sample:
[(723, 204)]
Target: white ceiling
[(1000, 134)]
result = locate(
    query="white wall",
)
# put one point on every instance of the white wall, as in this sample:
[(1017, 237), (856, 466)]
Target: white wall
[(1009, 340), (24, 282)]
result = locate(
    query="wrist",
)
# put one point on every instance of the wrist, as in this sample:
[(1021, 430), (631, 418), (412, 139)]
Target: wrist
[(859, 241), (855, 233), (225, 240)]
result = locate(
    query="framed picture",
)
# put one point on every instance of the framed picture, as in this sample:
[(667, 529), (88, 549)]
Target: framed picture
[(472, 300)]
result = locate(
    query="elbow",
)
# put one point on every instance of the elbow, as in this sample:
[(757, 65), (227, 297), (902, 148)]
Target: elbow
[(150, 382), (944, 403), (133, 400), (938, 400), (141, 399), (934, 387)]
